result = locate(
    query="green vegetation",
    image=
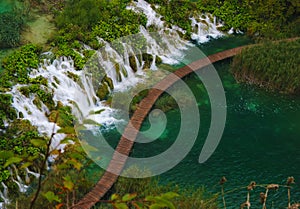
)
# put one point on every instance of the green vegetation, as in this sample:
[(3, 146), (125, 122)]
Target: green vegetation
[(187, 198), (18, 64), (269, 19), (19, 151), (273, 65), (11, 24), (7, 112), (83, 21)]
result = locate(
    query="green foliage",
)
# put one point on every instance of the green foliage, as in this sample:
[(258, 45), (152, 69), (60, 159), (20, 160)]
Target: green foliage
[(64, 118), (6, 111), (18, 64), (64, 49), (148, 193), (86, 20), (152, 202), (17, 149), (118, 24), (41, 94), (234, 14), (50, 196), (184, 10), (272, 65), (264, 19)]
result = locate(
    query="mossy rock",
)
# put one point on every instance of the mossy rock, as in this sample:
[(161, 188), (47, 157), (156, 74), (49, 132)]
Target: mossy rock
[(73, 76), (148, 59), (119, 77), (132, 63), (124, 72), (39, 80), (25, 91), (102, 91), (37, 102), (109, 82), (158, 60)]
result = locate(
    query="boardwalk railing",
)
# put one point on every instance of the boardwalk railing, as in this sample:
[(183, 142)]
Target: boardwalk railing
[(125, 144)]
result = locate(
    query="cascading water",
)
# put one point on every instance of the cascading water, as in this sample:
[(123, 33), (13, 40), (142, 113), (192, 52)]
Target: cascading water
[(152, 17), (81, 94), (205, 27)]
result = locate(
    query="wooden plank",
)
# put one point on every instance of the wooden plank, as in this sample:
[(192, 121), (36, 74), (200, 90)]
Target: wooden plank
[(131, 131)]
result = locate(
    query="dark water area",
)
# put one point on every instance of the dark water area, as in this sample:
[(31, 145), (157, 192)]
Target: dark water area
[(261, 140)]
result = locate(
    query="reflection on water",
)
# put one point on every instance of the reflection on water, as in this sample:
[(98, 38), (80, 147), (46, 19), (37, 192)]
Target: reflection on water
[(260, 143)]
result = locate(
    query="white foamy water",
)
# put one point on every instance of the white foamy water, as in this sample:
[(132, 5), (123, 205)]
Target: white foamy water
[(152, 17), (80, 94), (205, 27)]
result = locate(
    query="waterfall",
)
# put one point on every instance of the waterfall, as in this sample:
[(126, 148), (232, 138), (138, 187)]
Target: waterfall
[(152, 17), (124, 68), (81, 94), (205, 27), (4, 196)]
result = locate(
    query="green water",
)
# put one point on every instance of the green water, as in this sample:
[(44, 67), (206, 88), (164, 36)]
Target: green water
[(261, 141), (6, 5)]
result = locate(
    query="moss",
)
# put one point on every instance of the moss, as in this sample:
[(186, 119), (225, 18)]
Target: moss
[(124, 72), (37, 103), (39, 80), (25, 91), (102, 91), (56, 80), (7, 112), (109, 82), (119, 77), (148, 58), (132, 63), (71, 75)]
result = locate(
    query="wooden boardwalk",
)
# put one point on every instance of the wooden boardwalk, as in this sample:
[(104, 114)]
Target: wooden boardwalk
[(125, 144)]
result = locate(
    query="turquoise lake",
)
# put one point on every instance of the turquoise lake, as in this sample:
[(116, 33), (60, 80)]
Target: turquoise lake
[(6, 5), (261, 140)]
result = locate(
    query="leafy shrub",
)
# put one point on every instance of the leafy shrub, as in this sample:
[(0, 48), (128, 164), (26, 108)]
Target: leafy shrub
[(188, 198), (18, 64), (6, 111)]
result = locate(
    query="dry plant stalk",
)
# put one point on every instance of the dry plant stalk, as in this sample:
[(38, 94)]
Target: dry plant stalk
[(43, 165), (290, 180), (295, 206), (222, 181), (263, 196), (250, 187)]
